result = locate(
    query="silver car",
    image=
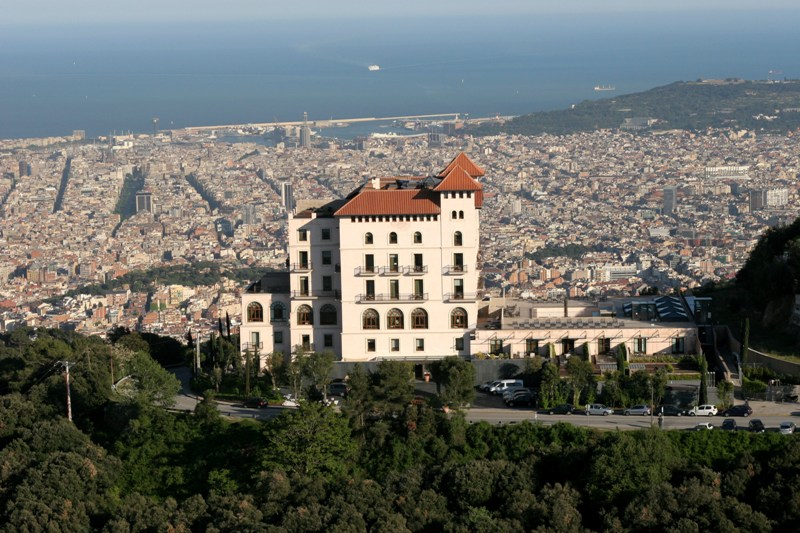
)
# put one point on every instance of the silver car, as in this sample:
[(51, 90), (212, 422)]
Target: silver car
[(637, 410), (598, 409)]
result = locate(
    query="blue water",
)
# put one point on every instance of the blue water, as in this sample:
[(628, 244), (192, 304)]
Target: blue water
[(102, 80)]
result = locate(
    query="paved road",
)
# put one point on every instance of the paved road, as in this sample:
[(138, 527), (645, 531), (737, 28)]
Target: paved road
[(491, 409)]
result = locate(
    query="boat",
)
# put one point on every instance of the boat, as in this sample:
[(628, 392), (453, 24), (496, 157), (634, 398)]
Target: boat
[(604, 88), (374, 67)]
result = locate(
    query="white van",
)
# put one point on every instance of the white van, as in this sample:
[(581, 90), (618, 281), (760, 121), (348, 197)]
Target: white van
[(504, 384)]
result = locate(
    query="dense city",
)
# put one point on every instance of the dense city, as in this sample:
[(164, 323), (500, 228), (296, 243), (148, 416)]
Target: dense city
[(585, 215)]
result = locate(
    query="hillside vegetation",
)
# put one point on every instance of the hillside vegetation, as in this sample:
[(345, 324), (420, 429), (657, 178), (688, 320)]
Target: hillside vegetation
[(752, 105)]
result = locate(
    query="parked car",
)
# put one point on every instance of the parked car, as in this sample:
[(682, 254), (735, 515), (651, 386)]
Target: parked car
[(522, 397), (729, 424), (255, 403), (598, 409), (738, 410), (637, 410), (669, 410), (563, 409), (510, 391), (786, 428), (505, 384), (756, 426), (703, 410), (338, 389), (704, 426), (485, 386)]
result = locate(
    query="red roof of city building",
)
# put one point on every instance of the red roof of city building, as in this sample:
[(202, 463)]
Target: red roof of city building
[(461, 160), (392, 202)]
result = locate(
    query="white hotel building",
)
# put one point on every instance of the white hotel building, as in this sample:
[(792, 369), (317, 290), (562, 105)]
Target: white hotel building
[(390, 272)]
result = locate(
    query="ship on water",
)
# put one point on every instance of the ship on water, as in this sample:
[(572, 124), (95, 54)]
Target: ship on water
[(374, 67), (604, 88)]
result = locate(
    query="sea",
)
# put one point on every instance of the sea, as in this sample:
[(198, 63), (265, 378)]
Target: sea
[(60, 78)]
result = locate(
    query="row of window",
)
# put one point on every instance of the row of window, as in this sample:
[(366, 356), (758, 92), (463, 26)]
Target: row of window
[(325, 234), (419, 345), (395, 319), (305, 315), (371, 319), (458, 239)]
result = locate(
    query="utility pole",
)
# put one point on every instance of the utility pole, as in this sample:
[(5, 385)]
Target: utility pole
[(66, 365)]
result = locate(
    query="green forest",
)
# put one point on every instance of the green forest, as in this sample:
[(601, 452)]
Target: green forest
[(752, 105), (387, 462)]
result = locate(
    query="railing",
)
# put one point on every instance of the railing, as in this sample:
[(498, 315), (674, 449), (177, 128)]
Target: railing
[(252, 346), (301, 267), (365, 271), (307, 347), (415, 270), (455, 269), (461, 296), (278, 320), (391, 270), (362, 298), (317, 294)]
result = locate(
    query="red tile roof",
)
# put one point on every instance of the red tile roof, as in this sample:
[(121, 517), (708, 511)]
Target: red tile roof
[(461, 160), (392, 202), (458, 180)]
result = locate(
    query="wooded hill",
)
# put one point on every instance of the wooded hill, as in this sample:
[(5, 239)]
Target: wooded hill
[(752, 105)]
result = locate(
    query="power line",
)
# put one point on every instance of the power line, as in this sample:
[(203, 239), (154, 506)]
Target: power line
[(66, 365)]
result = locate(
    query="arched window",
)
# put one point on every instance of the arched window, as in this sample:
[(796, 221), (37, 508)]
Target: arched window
[(417, 237), (453, 215), (371, 319), (368, 238), (458, 240), (458, 318), (419, 318), (461, 214), (277, 312), (328, 315), (305, 316), (393, 238), (255, 313), (394, 319)]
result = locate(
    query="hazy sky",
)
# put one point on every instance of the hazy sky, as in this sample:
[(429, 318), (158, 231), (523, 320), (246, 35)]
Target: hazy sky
[(72, 12)]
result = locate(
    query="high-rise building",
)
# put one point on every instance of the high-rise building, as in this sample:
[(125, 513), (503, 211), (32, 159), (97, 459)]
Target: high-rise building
[(287, 196), (305, 133), (390, 272), (670, 196), (144, 202)]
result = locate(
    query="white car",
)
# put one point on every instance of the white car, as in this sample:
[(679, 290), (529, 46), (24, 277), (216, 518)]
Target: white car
[(703, 410), (704, 426), (786, 428), (598, 409)]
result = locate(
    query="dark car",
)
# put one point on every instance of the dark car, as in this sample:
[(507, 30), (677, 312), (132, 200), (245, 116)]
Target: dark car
[(563, 409), (738, 410), (522, 397), (255, 403), (729, 424), (756, 426), (669, 410), (338, 389)]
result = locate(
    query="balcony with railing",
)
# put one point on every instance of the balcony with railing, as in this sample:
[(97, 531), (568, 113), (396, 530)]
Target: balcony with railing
[(450, 270), (384, 298), (365, 271), (391, 270), (462, 296), (252, 346), (415, 270), (305, 346), (301, 267)]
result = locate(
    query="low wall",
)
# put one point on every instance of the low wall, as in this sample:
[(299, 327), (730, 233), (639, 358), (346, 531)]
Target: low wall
[(781, 366)]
